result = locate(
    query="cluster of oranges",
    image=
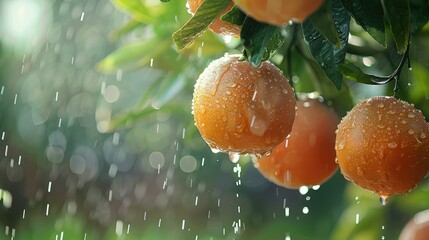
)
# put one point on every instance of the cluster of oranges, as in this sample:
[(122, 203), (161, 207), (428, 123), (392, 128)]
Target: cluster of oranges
[(382, 144)]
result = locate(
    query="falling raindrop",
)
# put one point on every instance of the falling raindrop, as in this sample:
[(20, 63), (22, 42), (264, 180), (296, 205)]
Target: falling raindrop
[(303, 190), (47, 209), (119, 227), (183, 224), (305, 210), (6, 150), (287, 212), (254, 95)]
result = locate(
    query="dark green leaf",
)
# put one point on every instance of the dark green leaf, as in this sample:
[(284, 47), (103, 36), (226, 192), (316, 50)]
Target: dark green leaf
[(322, 20), (369, 15), (419, 14), (260, 40), (323, 51), (165, 0), (234, 16), (206, 13), (398, 16), (354, 73)]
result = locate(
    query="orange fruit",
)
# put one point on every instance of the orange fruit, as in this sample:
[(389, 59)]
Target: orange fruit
[(307, 157), (217, 26), (383, 145), (279, 12), (417, 228), (242, 109)]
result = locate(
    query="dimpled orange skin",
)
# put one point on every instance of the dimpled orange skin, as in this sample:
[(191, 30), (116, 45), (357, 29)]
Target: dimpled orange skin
[(417, 228), (279, 12), (308, 156), (242, 109), (383, 145), (218, 26)]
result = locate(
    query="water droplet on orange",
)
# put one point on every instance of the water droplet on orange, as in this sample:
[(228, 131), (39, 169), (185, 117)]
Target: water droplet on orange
[(383, 200), (392, 145), (214, 150), (234, 156)]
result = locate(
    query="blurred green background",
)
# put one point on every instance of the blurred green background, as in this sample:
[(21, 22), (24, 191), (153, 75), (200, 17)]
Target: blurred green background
[(98, 140)]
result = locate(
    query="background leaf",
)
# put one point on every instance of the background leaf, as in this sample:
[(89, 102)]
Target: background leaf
[(127, 56), (137, 9)]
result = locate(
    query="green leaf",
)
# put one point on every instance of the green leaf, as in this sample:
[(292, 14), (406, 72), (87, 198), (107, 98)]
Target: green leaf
[(125, 29), (419, 87), (369, 15), (419, 14), (170, 87), (136, 9), (354, 73), (159, 95), (129, 54), (416, 200), (260, 40), (322, 20), (398, 17), (324, 52), (362, 217), (234, 16), (206, 13)]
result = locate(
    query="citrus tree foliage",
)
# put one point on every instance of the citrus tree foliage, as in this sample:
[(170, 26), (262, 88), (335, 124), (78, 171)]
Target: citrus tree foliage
[(341, 51)]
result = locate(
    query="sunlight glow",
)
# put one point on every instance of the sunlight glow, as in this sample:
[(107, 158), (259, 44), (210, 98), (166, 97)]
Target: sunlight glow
[(23, 23)]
